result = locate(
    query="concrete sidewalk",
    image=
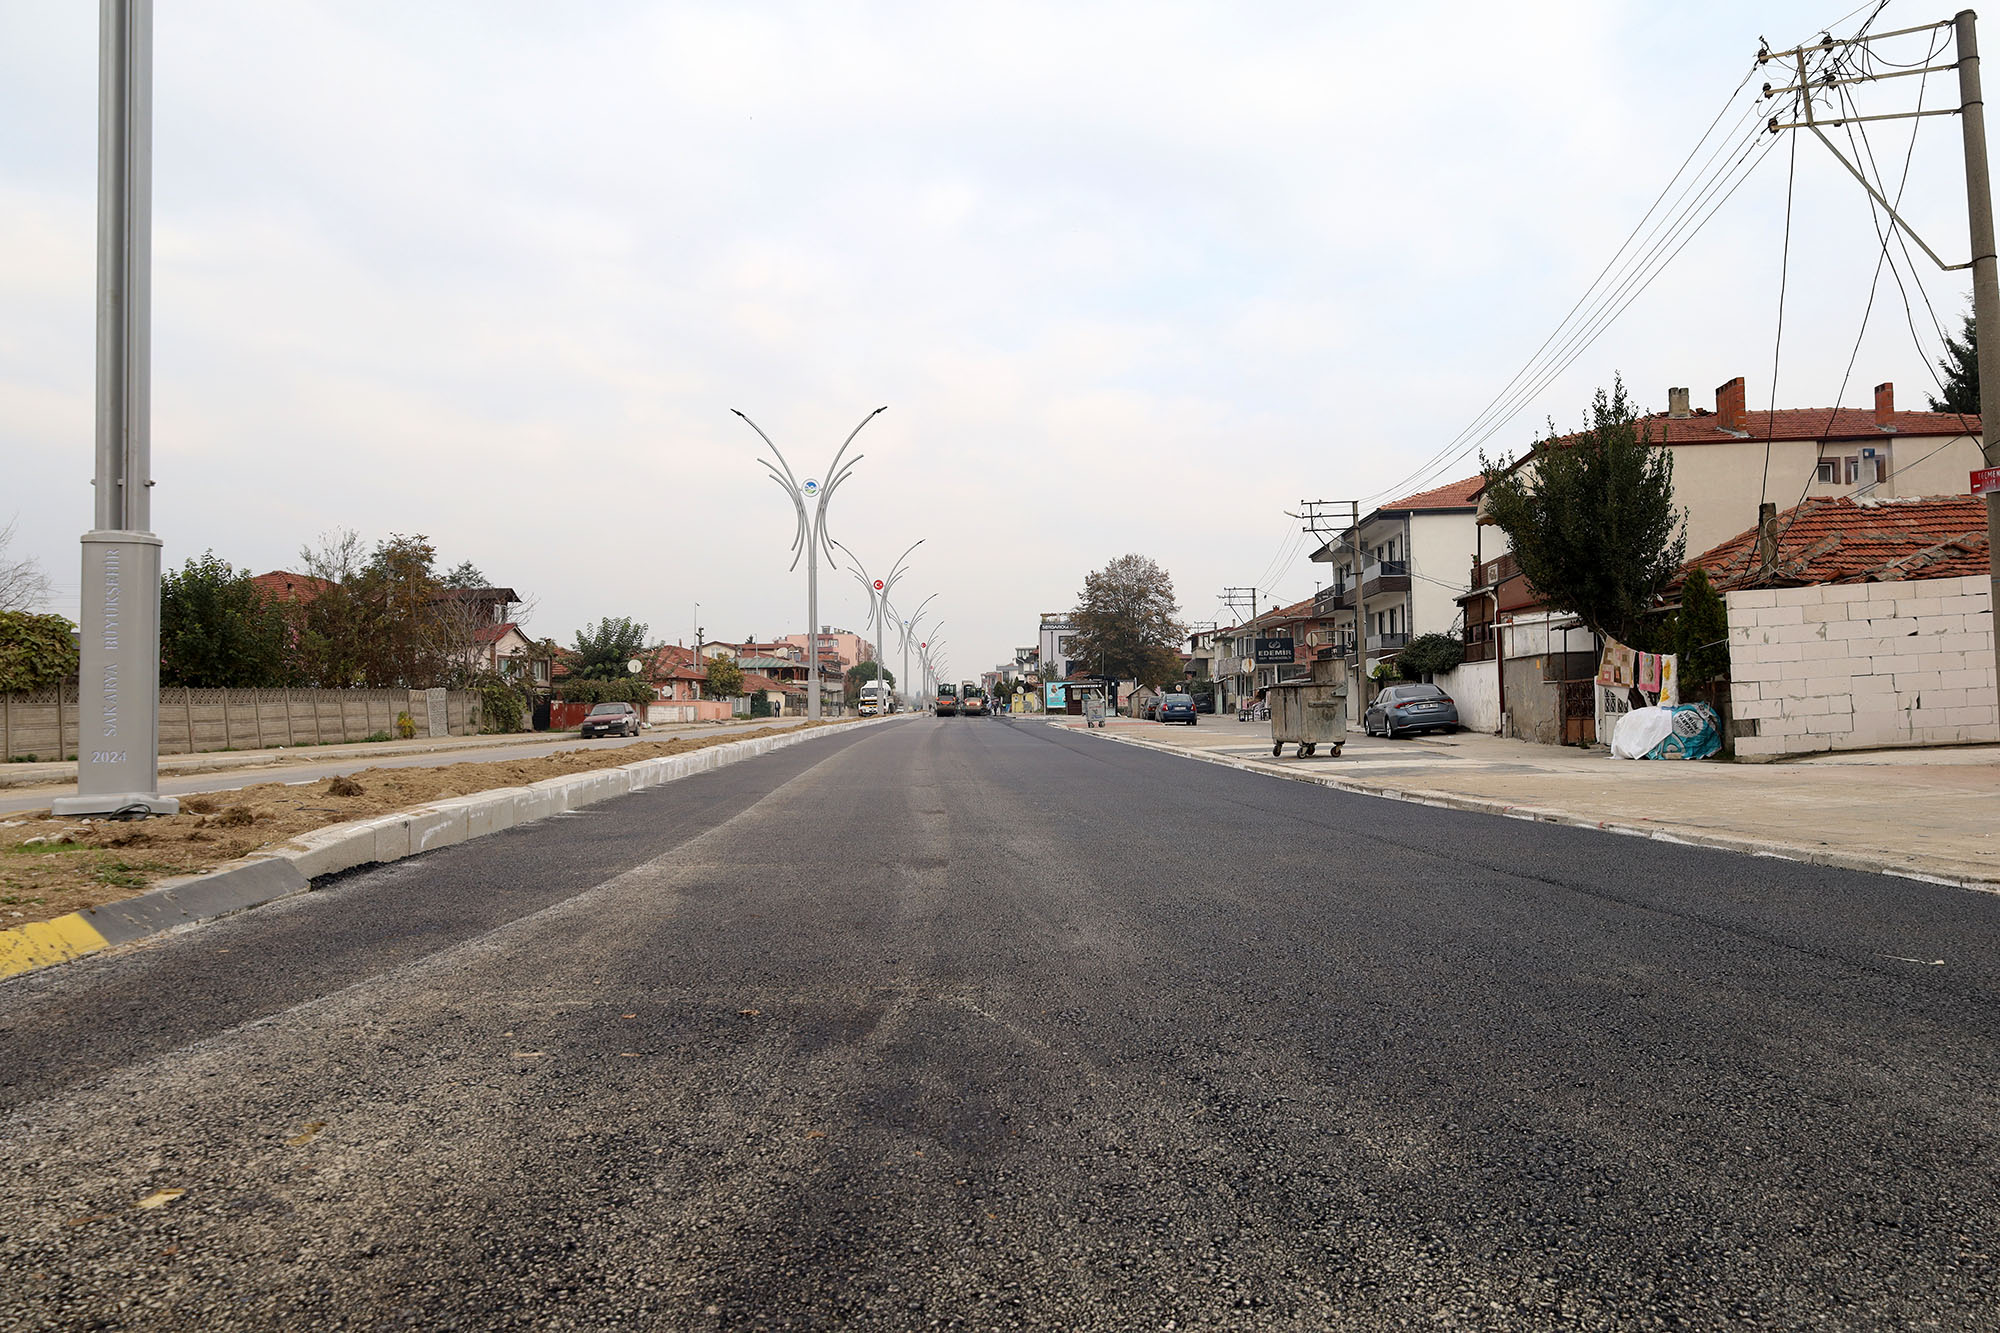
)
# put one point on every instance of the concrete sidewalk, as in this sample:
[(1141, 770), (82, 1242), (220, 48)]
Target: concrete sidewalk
[(221, 761), (1930, 813)]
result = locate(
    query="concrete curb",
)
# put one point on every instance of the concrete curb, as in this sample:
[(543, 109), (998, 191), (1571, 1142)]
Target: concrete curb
[(1685, 835), (268, 876)]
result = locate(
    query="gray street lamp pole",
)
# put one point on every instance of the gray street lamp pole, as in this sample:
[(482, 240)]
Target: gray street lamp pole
[(118, 705), (811, 537)]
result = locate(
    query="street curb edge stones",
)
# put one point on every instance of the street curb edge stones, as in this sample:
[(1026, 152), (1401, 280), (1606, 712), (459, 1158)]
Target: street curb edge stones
[(268, 876)]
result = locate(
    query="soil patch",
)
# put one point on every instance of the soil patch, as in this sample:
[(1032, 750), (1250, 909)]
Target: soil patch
[(50, 866)]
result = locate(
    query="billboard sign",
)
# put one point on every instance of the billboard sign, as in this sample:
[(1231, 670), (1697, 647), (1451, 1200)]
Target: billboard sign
[(1268, 652)]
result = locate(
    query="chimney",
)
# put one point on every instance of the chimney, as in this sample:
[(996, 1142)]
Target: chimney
[(1730, 412), (1677, 404), (1885, 406), (1767, 538)]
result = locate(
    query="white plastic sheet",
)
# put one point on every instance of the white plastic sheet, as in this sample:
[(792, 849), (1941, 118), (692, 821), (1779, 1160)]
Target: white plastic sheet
[(1639, 731)]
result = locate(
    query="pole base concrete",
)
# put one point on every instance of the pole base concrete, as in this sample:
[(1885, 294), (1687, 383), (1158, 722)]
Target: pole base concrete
[(114, 803)]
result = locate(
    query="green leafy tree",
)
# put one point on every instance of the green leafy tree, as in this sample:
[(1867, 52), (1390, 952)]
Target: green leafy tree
[(218, 630), (37, 652), (333, 623), (464, 574), (1960, 364), (725, 679), (1429, 655), (1126, 623), (860, 674), (603, 649), (415, 640), (1592, 521)]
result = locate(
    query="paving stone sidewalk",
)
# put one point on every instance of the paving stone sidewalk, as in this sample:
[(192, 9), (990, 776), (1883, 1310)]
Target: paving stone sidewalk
[(1929, 812)]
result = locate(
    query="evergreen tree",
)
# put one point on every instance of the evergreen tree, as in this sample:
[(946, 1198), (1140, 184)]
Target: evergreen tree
[(1592, 520), (1960, 364)]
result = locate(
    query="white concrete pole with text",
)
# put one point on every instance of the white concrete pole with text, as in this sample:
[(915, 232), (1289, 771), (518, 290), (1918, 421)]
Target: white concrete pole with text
[(1985, 289), (118, 737)]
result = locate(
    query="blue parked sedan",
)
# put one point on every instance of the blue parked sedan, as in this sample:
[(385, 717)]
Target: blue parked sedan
[(1403, 709), (1178, 708)]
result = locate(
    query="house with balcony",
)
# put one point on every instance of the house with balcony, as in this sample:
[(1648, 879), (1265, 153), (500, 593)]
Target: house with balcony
[(1403, 566)]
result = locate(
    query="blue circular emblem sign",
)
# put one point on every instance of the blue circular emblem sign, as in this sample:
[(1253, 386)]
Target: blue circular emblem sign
[(811, 487)]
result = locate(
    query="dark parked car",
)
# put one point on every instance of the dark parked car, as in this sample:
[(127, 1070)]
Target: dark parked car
[(1204, 703), (1403, 709), (611, 720), (1178, 708)]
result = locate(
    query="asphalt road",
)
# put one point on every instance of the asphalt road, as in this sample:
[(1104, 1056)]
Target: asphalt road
[(980, 1024)]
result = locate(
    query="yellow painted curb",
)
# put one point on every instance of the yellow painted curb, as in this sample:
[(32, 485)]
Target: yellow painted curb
[(40, 943)]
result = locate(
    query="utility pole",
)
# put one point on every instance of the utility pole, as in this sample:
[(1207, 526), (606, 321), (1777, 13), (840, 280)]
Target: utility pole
[(1317, 512), (1985, 266), (811, 536), (118, 703), (1985, 290)]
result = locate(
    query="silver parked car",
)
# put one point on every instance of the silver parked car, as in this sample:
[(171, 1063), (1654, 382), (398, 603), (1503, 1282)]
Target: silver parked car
[(1401, 710)]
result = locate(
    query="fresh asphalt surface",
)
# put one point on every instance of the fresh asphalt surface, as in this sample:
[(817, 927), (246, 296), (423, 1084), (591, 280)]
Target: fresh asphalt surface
[(985, 1024)]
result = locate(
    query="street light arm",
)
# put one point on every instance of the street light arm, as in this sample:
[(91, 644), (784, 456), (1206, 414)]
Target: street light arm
[(799, 534)]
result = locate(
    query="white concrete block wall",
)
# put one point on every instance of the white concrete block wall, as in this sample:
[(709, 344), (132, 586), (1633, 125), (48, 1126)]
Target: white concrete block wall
[(1475, 688), (1862, 665)]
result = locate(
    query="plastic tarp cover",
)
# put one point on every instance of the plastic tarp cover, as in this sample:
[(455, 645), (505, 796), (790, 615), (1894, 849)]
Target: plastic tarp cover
[(1639, 731)]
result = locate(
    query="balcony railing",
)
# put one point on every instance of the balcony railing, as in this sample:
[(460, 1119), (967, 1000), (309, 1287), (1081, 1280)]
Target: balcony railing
[(1387, 643), (1377, 577)]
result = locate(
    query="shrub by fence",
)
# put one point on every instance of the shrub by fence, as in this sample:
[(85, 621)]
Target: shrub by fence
[(195, 720)]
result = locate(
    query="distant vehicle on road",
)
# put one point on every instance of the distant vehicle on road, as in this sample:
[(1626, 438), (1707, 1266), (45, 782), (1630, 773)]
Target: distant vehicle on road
[(946, 704), (972, 701), (1178, 708), (874, 699), (611, 720), (1402, 710)]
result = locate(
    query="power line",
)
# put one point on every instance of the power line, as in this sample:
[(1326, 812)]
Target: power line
[(1636, 271)]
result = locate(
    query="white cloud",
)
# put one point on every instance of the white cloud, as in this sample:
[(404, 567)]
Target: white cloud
[(1131, 277)]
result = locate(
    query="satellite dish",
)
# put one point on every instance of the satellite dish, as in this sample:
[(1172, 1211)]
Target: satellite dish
[(635, 666)]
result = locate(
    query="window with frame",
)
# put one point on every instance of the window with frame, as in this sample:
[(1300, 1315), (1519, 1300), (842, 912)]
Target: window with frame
[(1829, 472)]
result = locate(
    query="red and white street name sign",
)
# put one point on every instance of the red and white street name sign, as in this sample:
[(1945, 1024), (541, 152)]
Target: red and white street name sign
[(1986, 480)]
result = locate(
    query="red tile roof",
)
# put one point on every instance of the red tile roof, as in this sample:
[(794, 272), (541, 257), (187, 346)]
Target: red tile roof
[(1452, 495), (1805, 423), (1837, 539), (287, 586)]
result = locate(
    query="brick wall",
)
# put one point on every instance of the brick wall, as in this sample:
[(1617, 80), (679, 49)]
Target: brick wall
[(1857, 666)]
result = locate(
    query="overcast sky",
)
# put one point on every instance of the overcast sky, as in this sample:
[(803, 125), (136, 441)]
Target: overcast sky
[(1130, 278)]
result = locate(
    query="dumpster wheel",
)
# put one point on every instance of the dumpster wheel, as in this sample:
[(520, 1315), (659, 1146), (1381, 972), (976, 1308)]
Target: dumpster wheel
[(1277, 748)]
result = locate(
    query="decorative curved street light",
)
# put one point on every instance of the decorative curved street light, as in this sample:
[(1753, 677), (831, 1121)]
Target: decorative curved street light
[(909, 631), (878, 591), (811, 536)]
